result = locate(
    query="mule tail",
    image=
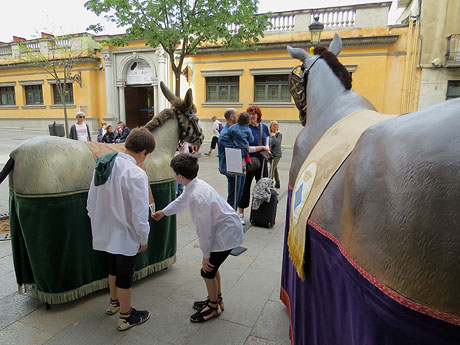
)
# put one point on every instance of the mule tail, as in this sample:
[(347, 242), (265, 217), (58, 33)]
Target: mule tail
[(6, 169)]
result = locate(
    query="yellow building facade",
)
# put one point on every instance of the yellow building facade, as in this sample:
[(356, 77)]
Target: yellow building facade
[(122, 83)]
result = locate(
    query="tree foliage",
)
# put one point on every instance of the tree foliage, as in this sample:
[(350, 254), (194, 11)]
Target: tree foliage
[(180, 27), (57, 59)]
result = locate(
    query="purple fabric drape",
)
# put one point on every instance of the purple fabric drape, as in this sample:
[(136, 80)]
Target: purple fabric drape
[(336, 304)]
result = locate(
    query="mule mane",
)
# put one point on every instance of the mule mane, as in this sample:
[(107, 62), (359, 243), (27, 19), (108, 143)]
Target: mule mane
[(339, 70), (159, 120)]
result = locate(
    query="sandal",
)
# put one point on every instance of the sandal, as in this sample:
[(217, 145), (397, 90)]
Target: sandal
[(199, 316), (198, 305)]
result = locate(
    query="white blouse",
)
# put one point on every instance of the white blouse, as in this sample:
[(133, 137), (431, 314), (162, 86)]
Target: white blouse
[(217, 225)]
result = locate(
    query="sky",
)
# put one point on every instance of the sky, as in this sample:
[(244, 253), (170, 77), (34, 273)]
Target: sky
[(28, 18)]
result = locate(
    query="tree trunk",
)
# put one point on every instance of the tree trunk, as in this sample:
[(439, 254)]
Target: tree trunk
[(177, 78), (62, 94)]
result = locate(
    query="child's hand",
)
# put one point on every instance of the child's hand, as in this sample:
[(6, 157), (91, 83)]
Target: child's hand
[(206, 266), (143, 248), (158, 215)]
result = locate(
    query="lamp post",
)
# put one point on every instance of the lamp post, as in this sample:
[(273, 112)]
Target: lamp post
[(315, 31)]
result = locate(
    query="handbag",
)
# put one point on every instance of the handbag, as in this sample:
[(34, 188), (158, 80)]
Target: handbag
[(255, 161)]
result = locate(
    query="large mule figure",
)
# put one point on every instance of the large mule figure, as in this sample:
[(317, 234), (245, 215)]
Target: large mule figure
[(382, 249), (50, 230)]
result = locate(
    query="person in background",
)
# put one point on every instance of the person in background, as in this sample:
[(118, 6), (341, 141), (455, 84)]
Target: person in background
[(80, 130), (260, 140), (108, 137), (275, 148), (215, 131), (101, 131), (183, 147), (121, 133), (241, 136)]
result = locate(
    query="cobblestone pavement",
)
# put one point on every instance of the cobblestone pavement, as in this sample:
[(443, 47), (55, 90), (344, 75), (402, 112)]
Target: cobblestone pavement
[(253, 312)]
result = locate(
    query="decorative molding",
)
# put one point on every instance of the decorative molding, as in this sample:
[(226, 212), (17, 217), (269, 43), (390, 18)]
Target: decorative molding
[(7, 83), (267, 71), (221, 105), (53, 81), (8, 107), (60, 106), (351, 68), (34, 106), (222, 73), (273, 104), (30, 82)]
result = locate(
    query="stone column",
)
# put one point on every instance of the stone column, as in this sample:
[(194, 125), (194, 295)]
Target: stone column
[(156, 106), (109, 85), (162, 76), (121, 99)]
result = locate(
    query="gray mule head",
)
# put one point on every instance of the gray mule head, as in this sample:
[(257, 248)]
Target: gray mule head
[(185, 111)]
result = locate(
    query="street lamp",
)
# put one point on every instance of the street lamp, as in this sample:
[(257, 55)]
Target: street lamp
[(315, 31)]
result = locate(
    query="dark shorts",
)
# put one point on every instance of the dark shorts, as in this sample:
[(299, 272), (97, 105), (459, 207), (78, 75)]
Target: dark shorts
[(214, 142), (123, 267), (216, 259)]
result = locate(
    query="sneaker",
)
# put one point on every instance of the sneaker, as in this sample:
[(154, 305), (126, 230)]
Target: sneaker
[(136, 318), (113, 307), (242, 219), (207, 154), (277, 186)]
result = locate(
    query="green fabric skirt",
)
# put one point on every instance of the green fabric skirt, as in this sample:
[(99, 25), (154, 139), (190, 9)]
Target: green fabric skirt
[(52, 244)]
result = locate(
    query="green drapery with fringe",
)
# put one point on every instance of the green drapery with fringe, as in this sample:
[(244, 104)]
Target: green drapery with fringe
[(52, 244)]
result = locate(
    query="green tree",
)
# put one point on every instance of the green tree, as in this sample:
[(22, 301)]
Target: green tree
[(182, 26), (57, 59)]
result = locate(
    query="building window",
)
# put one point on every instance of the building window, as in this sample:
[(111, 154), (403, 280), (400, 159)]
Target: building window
[(222, 89), (68, 94), (34, 94), (271, 88), (7, 95), (453, 89)]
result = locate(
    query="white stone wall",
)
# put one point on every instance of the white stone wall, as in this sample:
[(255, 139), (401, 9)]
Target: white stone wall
[(433, 85)]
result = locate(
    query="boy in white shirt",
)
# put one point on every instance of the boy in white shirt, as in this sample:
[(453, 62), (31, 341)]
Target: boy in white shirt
[(218, 228), (118, 206)]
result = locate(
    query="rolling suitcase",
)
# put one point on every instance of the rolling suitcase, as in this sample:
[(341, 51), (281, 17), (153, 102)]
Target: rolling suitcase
[(266, 213)]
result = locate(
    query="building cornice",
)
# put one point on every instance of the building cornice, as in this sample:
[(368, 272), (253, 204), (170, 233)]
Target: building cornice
[(346, 42), (23, 64)]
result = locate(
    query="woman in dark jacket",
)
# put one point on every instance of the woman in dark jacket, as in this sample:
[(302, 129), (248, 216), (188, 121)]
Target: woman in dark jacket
[(255, 119), (108, 137), (275, 147)]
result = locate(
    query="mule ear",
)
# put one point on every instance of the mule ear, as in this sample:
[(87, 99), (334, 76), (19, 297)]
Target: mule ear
[(167, 93), (336, 44), (298, 53), (188, 100)]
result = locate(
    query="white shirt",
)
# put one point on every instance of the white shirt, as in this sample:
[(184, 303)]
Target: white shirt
[(82, 132), (215, 128), (119, 209), (217, 225)]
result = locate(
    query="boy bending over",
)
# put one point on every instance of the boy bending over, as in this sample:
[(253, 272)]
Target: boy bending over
[(218, 228), (118, 205)]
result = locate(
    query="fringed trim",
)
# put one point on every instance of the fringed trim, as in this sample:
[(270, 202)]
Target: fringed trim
[(159, 266), (65, 297), (72, 295), (296, 253)]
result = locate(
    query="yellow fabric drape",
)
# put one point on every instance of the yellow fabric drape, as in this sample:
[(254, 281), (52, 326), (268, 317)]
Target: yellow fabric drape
[(321, 164)]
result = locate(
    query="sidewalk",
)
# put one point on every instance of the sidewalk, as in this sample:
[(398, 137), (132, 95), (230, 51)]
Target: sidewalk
[(253, 311)]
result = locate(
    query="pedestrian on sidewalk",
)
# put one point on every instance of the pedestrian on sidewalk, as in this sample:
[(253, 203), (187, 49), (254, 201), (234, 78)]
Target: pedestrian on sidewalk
[(121, 227), (80, 130), (275, 147), (215, 131), (218, 228)]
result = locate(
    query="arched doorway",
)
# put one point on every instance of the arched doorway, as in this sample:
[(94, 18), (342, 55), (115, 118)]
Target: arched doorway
[(139, 94)]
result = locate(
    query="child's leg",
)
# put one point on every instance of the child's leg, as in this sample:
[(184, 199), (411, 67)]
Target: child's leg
[(124, 296), (112, 287), (213, 287), (219, 287)]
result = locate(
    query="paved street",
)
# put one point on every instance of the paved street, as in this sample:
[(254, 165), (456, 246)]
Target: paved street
[(253, 312)]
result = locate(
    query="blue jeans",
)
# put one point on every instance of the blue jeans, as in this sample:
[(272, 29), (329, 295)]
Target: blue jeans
[(179, 188), (231, 189)]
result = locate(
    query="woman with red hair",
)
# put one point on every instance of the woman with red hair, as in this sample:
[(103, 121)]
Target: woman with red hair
[(261, 142)]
